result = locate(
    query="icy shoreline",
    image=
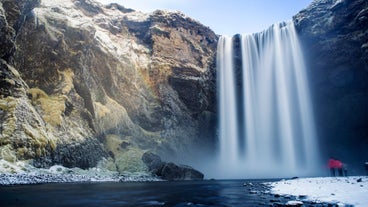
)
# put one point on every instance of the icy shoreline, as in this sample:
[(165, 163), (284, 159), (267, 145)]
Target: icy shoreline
[(25, 179), (343, 191), (21, 173)]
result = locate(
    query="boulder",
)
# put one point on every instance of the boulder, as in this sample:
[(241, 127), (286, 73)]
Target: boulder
[(191, 173), (170, 171), (153, 162)]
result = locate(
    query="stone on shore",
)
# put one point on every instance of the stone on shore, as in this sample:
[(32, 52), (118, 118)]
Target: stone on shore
[(170, 171)]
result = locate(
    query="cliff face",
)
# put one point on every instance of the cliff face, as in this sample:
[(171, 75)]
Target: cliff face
[(335, 37), (87, 82), (81, 82)]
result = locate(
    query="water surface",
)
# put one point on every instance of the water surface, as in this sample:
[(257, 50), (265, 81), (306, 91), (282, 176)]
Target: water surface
[(188, 193)]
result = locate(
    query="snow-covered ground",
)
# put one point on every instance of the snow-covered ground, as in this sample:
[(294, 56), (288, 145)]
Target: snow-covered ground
[(341, 190), (23, 173)]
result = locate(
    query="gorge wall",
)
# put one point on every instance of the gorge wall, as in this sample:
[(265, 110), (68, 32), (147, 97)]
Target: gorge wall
[(82, 82), (335, 37)]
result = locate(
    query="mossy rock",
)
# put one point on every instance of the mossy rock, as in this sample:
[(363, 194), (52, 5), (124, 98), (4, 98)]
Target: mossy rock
[(126, 156), (7, 153), (53, 107), (130, 161)]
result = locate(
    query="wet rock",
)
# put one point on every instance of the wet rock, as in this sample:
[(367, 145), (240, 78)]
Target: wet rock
[(83, 155), (153, 162), (253, 192), (278, 204), (170, 171), (294, 178), (302, 196), (173, 172)]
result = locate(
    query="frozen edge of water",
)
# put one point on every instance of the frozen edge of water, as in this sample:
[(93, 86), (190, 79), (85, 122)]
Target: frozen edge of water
[(25, 178), (21, 173)]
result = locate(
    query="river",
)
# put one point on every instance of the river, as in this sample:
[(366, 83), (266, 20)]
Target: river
[(139, 194)]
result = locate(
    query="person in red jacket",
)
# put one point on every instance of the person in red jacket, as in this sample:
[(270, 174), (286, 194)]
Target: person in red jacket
[(331, 165), (339, 167), (335, 166)]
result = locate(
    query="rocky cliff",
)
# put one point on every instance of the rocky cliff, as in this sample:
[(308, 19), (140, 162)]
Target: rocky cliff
[(82, 82), (335, 37)]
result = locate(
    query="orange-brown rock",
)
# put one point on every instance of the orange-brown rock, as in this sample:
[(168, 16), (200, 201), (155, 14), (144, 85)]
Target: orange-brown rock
[(106, 82)]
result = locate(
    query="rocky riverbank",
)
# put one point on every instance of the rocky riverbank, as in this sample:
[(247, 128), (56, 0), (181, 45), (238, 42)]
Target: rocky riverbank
[(21, 173), (25, 179)]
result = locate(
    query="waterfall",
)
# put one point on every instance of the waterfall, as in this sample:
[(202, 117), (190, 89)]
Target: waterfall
[(266, 126)]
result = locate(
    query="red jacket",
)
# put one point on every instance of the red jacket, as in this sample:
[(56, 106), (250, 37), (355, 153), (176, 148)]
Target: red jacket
[(332, 163)]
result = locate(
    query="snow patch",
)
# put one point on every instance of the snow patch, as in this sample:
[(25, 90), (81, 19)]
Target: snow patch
[(340, 190), (24, 173), (54, 14), (138, 16), (294, 203)]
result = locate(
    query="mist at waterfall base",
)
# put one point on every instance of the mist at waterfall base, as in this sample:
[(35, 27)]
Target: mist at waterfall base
[(266, 123)]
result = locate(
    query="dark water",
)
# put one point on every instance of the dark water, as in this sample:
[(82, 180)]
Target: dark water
[(199, 193)]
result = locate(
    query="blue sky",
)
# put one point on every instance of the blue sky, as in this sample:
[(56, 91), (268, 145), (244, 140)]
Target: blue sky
[(225, 17)]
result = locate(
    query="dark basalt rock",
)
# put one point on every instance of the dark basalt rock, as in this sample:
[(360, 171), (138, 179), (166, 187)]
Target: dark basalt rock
[(170, 171), (12, 16), (153, 162), (334, 36), (7, 33), (83, 155), (10, 83)]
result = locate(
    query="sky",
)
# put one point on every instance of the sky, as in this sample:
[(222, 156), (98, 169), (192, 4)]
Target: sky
[(225, 17)]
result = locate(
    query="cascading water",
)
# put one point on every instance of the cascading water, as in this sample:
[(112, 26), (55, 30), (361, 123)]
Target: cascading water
[(266, 127)]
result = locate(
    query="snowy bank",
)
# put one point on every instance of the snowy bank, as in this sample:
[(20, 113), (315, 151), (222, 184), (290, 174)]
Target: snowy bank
[(341, 190), (23, 173)]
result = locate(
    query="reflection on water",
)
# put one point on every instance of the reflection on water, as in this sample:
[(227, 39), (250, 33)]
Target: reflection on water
[(199, 193)]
